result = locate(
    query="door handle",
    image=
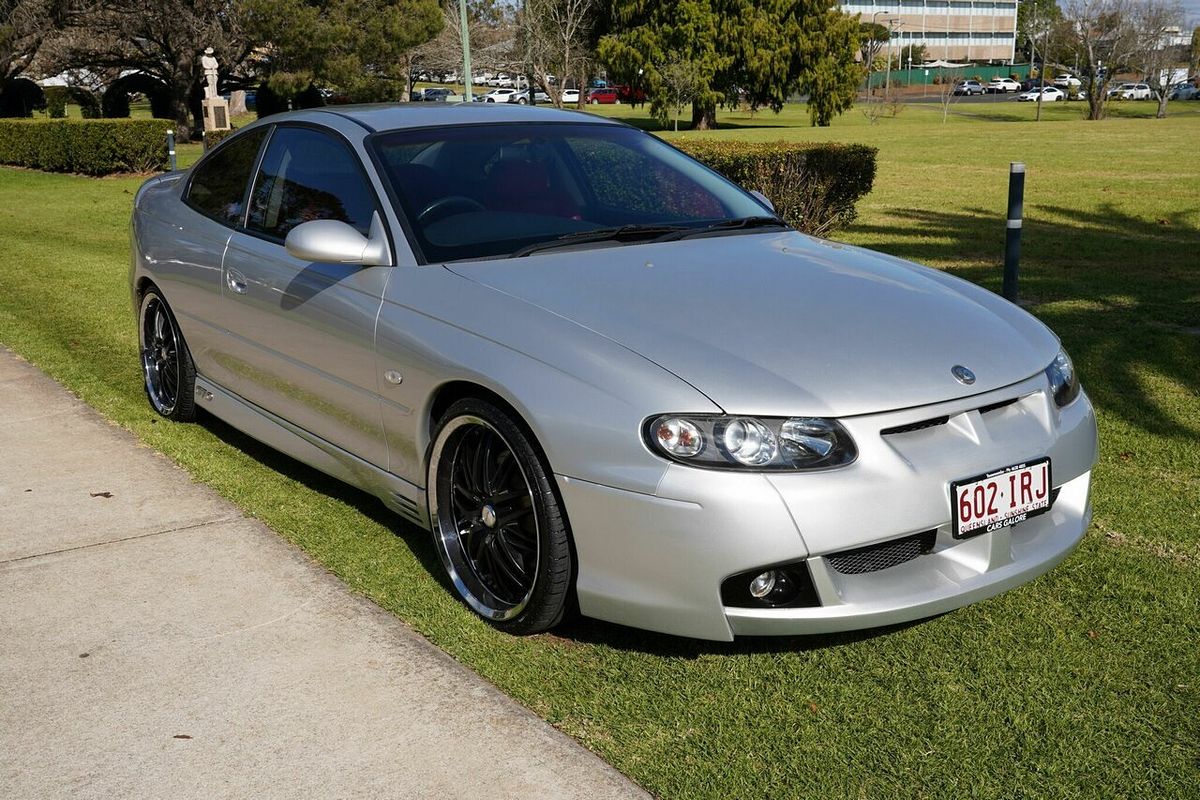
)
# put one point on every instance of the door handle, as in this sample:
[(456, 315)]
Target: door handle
[(236, 281)]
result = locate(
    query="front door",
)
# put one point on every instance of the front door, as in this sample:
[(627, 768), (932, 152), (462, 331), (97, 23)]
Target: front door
[(301, 336)]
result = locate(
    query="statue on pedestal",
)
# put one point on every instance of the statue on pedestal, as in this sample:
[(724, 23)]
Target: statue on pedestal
[(216, 108)]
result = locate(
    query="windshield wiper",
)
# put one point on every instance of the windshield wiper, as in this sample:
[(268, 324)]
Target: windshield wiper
[(740, 223), (621, 233)]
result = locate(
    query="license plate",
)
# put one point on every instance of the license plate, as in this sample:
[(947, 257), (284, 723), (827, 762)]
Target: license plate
[(1001, 498)]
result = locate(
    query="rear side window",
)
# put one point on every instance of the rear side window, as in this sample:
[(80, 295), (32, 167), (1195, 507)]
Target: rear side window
[(218, 187), (307, 175)]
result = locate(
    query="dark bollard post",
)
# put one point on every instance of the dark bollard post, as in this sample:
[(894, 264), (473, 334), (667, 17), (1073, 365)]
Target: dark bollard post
[(171, 149), (1012, 241)]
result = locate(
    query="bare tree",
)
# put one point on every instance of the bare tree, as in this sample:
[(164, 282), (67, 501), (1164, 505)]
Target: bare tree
[(1105, 36), (1156, 57), (24, 27), (682, 82), (946, 96), (555, 37)]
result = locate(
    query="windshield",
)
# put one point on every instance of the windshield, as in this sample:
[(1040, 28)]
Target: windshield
[(489, 191)]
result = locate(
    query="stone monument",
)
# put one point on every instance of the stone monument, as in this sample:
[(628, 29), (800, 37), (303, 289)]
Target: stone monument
[(216, 108)]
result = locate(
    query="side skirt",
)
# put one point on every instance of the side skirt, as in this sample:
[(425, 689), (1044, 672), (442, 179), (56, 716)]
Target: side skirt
[(396, 493)]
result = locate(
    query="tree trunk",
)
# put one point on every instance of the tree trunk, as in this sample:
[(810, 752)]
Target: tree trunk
[(704, 116), (1162, 105)]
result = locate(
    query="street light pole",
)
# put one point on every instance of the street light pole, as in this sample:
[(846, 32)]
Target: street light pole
[(468, 77)]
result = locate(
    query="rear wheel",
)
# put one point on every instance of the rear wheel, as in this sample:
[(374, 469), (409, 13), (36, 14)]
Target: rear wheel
[(169, 376), (498, 525)]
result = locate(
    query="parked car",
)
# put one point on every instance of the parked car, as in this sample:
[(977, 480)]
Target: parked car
[(1050, 94), (1130, 91), (1002, 86), (605, 95), (968, 87), (570, 95), (1183, 91), (497, 96), (522, 98), (481, 78), (453, 308), (1066, 80), (437, 94)]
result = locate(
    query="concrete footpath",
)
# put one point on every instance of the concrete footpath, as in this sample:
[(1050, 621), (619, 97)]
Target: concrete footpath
[(155, 643)]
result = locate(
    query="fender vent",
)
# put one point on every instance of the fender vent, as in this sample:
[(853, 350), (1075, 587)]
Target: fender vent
[(406, 508), (882, 556)]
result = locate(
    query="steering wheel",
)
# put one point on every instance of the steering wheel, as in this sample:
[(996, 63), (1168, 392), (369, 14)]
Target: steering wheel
[(442, 205)]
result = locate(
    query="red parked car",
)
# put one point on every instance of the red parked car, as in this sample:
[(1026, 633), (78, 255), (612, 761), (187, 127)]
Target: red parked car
[(606, 95)]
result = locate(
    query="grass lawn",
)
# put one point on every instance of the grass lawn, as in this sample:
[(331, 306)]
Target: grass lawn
[(1084, 683)]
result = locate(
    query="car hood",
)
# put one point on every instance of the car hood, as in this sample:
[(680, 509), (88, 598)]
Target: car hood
[(777, 324)]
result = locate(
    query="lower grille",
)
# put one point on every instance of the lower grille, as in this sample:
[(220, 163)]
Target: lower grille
[(882, 556)]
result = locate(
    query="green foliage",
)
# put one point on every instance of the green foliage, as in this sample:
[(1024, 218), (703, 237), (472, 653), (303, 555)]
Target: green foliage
[(56, 101), (89, 105), (115, 102), (769, 49), (357, 46), (213, 138), (20, 97), (91, 147), (814, 186)]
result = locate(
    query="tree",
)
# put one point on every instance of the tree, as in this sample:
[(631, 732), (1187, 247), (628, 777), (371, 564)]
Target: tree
[(362, 47), (1034, 19), (555, 37), (1194, 65), (1104, 36), (1156, 58), (24, 27), (767, 49), (681, 82), (162, 40), (872, 38)]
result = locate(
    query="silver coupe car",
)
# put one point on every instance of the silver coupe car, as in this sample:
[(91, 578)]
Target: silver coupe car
[(606, 378)]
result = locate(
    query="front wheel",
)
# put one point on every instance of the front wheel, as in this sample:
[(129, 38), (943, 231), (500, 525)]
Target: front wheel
[(595, 102), (169, 376), (498, 525)]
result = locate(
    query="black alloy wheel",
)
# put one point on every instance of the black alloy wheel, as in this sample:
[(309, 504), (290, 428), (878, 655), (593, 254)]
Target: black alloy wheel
[(497, 522), (167, 369)]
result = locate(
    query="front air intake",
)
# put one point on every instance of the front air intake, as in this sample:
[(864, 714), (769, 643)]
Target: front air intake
[(882, 556)]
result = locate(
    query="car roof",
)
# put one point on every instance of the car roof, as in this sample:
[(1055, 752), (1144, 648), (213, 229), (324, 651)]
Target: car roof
[(397, 116)]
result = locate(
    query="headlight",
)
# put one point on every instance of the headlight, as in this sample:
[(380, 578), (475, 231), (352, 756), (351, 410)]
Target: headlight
[(1064, 383), (725, 442)]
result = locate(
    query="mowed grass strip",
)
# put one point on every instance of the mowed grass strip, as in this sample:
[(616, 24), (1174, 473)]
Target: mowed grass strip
[(1081, 684)]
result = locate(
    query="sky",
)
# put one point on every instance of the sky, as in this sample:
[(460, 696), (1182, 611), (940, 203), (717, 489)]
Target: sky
[(1192, 8)]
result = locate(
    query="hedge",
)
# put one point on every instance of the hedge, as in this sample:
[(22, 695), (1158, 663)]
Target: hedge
[(814, 186), (90, 146), (213, 138)]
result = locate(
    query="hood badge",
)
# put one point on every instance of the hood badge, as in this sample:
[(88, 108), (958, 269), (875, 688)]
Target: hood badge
[(962, 374)]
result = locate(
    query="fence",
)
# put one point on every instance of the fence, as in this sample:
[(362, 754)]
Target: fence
[(918, 76)]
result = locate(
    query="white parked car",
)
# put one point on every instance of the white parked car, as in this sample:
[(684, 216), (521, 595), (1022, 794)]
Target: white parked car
[(1049, 94), (1066, 81), (522, 97), (482, 78), (570, 96), (1002, 86), (498, 96), (1130, 91)]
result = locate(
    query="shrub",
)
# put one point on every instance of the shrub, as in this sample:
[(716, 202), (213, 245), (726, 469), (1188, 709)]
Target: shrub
[(89, 106), (92, 147), (56, 101), (814, 186), (213, 138), (115, 102), (20, 97)]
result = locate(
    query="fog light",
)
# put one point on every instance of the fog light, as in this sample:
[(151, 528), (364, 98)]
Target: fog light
[(762, 584)]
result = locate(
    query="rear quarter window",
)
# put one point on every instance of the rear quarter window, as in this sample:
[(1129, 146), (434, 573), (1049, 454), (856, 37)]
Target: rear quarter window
[(218, 185)]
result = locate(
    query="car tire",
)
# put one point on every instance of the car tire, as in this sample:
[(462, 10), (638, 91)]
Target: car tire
[(168, 373), (498, 524), (521, 101)]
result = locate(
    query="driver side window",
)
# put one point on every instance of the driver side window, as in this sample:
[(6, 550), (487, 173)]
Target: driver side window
[(308, 175)]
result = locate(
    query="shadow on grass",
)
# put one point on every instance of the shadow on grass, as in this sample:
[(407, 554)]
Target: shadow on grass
[(1123, 294)]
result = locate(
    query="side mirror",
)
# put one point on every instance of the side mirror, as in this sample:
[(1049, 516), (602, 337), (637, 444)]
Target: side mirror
[(762, 198), (328, 241)]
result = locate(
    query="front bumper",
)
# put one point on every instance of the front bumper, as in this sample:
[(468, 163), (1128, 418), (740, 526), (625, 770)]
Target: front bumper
[(658, 561)]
